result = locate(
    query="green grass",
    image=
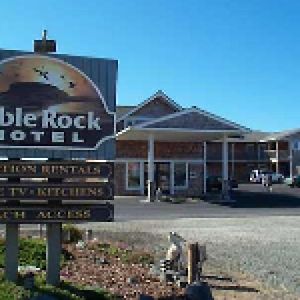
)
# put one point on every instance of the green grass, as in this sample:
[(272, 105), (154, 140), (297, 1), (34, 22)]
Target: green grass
[(65, 291)]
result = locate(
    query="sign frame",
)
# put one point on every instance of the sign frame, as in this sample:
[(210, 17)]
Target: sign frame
[(48, 147)]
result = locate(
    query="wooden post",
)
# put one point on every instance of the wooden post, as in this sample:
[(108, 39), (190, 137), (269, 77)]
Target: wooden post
[(11, 252), (53, 253), (192, 262)]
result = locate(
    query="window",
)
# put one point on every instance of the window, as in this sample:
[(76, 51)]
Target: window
[(133, 176), (180, 175), (250, 148)]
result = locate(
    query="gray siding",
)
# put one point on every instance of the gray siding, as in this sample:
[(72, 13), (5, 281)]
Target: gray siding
[(103, 72), (192, 120)]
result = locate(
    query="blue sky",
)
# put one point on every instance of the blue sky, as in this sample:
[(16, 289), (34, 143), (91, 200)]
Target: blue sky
[(236, 58)]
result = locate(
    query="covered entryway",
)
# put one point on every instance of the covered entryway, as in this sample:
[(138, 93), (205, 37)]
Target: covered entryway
[(162, 177), (181, 129)]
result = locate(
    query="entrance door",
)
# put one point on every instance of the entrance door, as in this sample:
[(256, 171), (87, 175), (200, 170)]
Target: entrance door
[(161, 177)]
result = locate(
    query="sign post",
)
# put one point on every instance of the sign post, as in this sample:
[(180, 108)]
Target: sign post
[(53, 252), (11, 251), (53, 113)]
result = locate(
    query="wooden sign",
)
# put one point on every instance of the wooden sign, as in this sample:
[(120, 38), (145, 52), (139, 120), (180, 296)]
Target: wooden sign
[(58, 169), (56, 191), (65, 213), (48, 103)]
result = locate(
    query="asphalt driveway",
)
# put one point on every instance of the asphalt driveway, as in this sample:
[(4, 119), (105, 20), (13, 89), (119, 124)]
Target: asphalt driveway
[(250, 200)]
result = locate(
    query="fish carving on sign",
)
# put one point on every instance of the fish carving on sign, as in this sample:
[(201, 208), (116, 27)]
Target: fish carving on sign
[(46, 102)]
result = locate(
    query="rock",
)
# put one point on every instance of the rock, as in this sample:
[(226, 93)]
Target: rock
[(166, 277), (198, 291), (101, 261), (154, 270), (80, 245), (132, 280)]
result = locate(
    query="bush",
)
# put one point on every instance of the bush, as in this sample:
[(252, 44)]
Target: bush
[(74, 233), (10, 291), (31, 252)]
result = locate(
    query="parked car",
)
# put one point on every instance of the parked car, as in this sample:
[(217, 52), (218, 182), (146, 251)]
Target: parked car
[(215, 183), (256, 176), (293, 181)]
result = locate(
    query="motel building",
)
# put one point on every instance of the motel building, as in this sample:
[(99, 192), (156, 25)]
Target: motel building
[(163, 145)]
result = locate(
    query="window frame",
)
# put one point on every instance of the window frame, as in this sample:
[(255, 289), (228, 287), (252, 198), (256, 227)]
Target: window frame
[(181, 187), (131, 188)]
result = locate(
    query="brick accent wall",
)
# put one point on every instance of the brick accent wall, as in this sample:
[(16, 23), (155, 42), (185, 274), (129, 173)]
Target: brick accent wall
[(178, 150), (132, 149), (162, 150)]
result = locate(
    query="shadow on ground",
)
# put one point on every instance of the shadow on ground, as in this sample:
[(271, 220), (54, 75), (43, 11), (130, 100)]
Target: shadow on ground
[(260, 199)]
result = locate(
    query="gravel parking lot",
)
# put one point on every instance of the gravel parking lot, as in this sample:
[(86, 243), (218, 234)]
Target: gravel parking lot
[(264, 247)]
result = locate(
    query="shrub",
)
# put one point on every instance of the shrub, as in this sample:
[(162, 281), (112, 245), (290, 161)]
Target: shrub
[(32, 252), (73, 232)]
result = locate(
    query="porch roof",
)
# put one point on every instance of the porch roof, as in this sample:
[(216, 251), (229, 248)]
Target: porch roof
[(175, 134)]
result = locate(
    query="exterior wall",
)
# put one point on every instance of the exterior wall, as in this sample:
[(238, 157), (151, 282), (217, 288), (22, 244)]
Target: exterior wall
[(162, 150), (241, 152), (132, 149), (178, 150)]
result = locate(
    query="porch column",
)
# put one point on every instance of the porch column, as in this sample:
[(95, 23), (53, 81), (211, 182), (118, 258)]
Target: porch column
[(225, 164), (232, 160), (277, 157), (204, 168), (150, 181), (291, 158), (172, 177)]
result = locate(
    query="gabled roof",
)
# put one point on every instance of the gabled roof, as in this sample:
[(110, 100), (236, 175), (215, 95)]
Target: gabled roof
[(160, 94), (276, 136), (122, 110), (226, 125)]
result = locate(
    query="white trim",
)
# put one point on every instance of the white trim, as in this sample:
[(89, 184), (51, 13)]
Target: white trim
[(128, 188), (204, 167), (185, 130), (159, 93), (175, 130), (172, 178), (232, 160), (184, 187), (90, 82), (142, 177), (199, 111)]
